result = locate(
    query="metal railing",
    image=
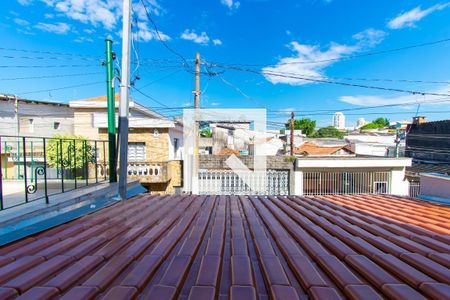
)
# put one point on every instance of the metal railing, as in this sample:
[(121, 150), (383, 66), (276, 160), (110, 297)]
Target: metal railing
[(414, 188), (327, 183), (226, 182), (35, 168)]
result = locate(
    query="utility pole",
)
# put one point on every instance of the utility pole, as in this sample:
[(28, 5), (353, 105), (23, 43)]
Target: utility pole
[(292, 133), (197, 82), (124, 100), (111, 101), (196, 125)]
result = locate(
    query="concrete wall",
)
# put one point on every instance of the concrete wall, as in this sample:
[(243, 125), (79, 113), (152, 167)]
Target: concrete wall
[(435, 186), (43, 116)]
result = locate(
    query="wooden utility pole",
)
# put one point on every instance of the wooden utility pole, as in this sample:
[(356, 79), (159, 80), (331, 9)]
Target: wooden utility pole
[(292, 133), (197, 82), (124, 100)]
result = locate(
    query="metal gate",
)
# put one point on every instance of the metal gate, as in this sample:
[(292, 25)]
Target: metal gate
[(226, 182), (327, 183)]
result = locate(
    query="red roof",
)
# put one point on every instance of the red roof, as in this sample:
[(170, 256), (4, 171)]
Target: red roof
[(208, 247), (314, 149), (228, 151)]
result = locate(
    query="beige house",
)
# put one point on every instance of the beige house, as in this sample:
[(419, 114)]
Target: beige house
[(155, 143)]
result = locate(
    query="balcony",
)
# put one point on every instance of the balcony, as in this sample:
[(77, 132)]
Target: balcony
[(150, 172)]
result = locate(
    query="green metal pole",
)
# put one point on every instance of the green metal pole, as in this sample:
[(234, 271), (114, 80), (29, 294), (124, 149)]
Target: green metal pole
[(111, 111)]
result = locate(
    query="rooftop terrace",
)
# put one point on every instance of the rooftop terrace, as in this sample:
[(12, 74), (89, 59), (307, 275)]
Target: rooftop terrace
[(208, 247)]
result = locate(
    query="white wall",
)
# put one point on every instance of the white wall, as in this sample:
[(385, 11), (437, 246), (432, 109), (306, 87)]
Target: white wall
[(43, 115), (176, 132)]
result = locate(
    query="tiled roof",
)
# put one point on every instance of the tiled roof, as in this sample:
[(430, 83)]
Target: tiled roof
[(208, 247), (102, 98), (228, 151), (313, 149)]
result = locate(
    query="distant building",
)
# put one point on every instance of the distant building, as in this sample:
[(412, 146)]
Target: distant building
[(25, 117), (360, 123), (339, 120), (155, 143)]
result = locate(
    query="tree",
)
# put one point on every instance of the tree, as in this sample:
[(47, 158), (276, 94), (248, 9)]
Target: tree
[(383, 122), (69, 151), (306, 125), (328, 132), (375, 124)]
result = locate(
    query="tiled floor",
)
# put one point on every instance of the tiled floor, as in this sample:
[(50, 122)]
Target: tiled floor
[(189, 247)]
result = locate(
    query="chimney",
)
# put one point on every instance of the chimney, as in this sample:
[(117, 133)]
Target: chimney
[(419, 120)]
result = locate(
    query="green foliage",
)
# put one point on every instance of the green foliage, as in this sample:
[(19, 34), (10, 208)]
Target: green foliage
[(328, 132), (75, 151), (206, 133), (306, 125), (377, 123), (383, 122), (289, 158)]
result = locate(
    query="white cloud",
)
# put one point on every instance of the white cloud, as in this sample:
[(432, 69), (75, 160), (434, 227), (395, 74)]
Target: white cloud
[(58, 28), (231, 4), (24, 2), (49, 16), (191, 35), (83, 39), (21, 22), (215, 103), (301, 63), (409, 18), (366, 100), (370, 37), (144, 34), (217, 42), (311, 60)]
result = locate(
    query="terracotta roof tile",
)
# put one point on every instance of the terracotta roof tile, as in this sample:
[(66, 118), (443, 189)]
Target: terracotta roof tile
[(228, 151), (311, 148), (238, 247)]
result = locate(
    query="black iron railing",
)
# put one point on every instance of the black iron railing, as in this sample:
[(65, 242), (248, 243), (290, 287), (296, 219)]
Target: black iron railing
[(35, 168)]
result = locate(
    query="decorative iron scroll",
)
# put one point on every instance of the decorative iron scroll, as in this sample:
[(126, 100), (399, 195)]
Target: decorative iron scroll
[(32, 188)]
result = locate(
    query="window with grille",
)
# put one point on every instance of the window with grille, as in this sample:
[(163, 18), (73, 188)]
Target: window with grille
[(136, 152)]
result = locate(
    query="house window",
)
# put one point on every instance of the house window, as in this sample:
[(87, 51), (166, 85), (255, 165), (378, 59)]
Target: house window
[(136, 152), (56, 125), (175, 148), (31, 125)]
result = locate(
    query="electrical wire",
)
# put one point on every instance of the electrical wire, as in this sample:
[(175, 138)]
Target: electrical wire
[(50, 76), (351, 56), (50, 66), (62, 88), (265, 73), (48, 52), (155, 27)]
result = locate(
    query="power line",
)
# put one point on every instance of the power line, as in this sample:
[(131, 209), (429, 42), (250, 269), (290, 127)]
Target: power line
[(155, 27), (62, 88), (149, 97), (283, 75), (159, 79), (48, 58), (50, 76), (352, 56), (48, 52), (50, 66), (431, 101)]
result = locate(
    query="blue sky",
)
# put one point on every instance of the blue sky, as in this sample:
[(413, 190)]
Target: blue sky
[(270, 36)]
